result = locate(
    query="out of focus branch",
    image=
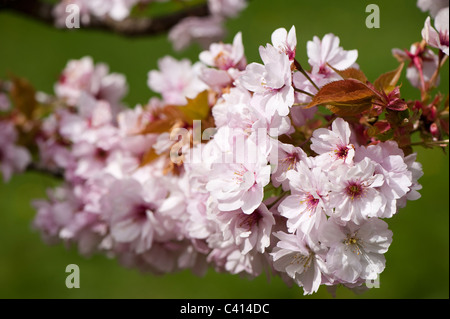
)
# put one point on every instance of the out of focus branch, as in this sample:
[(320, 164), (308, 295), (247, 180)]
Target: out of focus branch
[(129, 27), (33, 167)]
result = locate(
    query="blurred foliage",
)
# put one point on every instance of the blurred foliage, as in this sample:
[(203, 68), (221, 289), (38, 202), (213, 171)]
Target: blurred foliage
[(418, 259)]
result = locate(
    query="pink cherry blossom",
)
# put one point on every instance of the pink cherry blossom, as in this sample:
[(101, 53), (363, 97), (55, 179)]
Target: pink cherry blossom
[(225, 56), (5, 105), (355, 193), (13, 158), (247, 231), (239, 185), (285, 42), (391, 164), (285, 158), (432, 6), (132, 213), (302, 258), (437, 37), (356, 251), (203, 30), (416, 172), (305, 207), (327, 51), (421, 63), (226, 8), (333, 145), (83, 77), (268, 186), (116, 9), (271, 82), (176, 80)]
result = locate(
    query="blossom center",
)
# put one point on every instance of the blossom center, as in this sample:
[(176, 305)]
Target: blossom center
[(291, 160), (223, 61), (353, 243), (248, 221), (139, 212), (341, 152), (311, 202), (101, 154), (355, 190), (300, 259), (444, 38)]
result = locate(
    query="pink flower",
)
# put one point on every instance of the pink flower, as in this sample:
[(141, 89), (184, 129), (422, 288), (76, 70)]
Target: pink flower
[(13, 158), (83, 77), (391, 165), (355, 193), (285, 42), (203, 30), (422, 63), (328, 51), (238, 117), (176, 80), (416, 172), (230, 259), (271, 82), (433, 6), (227, 60), (63, 217), (356, 251), (5, 105), (225, 56), (437, 37), (116, 9), (302, 258), (239, 185), (333, 145), (130, 123), (247, 231), (285, 158), (226, 8), (132, 211), (56, 213), (305, 207)]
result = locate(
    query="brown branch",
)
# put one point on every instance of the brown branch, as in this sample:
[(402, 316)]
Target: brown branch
[(33, 167), (129, 27)]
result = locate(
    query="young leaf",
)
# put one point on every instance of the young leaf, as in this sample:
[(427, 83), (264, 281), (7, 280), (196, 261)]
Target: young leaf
[(158, 126), (351, 73), (344, 98), (167, 117), (23, 96), (196, 108), (149, 157), (388, 81)]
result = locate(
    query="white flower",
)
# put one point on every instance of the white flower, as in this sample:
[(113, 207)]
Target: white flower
[(333, 145), (355, 195), (302, 258), (327, 51), (305, 207), (356, 251), (271, 82), (437, 37)]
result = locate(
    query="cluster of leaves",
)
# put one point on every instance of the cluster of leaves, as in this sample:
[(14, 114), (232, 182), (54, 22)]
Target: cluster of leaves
[(380, 110)]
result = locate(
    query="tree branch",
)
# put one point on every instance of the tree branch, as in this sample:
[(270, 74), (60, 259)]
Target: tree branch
[(33, 167), (129, 27)]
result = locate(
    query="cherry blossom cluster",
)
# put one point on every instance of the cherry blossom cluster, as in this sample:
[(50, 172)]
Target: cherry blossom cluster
[(243, 167), (203, 30)]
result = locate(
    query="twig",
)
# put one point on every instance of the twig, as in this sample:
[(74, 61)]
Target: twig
[(33, 167), (129, 27)]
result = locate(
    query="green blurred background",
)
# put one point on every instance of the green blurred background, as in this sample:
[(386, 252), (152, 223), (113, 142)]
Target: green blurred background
[(418, 259)]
